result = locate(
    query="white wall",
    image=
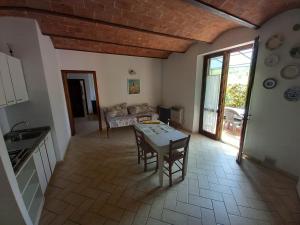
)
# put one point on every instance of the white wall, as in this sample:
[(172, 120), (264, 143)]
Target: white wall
[(182, 74), (61, 132), (89, 85), (21, 34), (112, 75), (4, 125), (274, 127), (46, 105)]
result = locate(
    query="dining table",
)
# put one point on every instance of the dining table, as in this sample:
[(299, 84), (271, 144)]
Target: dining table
[(158, 136)]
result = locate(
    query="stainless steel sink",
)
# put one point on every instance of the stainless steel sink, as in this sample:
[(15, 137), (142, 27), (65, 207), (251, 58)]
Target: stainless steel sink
[(21, 140), (29, 135), (23, 135)]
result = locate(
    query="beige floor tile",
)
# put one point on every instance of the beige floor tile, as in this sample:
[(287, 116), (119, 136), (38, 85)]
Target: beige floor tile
[(111, 212), (99, 182), (142, 215), (152, 221), (255, 214), (220, 211), (92, 219), (208, 217), (55, 206), (200, 201), (238, 220), (74, 199), (174, 217), (211, 194), (47, 217), (231, 204), (68, 222), (188, 209), (127, 218), (194, 221)]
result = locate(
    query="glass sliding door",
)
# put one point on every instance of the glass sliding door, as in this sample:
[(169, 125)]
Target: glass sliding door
[(228, 77), (214, 67)]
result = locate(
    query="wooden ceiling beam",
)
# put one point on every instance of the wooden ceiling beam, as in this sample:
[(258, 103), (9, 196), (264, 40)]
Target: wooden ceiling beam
[(226, 15), (98, 47), (106, 42)]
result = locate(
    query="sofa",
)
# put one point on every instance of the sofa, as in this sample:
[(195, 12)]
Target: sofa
[(121, 115)]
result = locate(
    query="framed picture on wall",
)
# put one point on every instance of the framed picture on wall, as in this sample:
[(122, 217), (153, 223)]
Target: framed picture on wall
[(133, 86)]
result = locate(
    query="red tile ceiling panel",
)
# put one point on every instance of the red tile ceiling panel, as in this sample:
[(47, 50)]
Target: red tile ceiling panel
[(172, 17), (85, 29)]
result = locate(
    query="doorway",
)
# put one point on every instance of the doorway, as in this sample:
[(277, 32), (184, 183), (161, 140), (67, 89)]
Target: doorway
[(226, 91), (81, 92)]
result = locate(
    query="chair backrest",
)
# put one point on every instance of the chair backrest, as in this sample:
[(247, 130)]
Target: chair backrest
[(139, 137), (230, 115), (182, 144)]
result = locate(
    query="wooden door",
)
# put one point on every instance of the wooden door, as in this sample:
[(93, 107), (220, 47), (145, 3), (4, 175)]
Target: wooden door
[(211, 103), (248, 98), (75, 93)]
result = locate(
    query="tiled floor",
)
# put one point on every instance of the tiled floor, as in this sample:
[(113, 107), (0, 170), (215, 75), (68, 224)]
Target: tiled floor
[(100, 183)]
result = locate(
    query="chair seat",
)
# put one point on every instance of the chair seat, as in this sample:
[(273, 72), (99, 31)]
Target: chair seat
[(176, 156)]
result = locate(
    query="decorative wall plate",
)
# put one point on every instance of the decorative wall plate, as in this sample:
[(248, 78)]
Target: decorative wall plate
[(295, 52), (270, 83), (290, 72), (271, 60), (292, 94), (274, 42)]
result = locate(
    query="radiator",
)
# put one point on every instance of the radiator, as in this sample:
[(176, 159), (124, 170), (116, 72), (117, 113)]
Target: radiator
[(177, 115)]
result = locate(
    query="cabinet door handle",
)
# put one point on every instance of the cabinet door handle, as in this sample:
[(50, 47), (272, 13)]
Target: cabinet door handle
[(11, 101), (19, 99)]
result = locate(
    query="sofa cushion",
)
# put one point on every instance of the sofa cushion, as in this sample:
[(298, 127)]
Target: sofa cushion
[(140, 108), (117, 110)]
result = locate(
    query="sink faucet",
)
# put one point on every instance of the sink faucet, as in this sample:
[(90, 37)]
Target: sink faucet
[(26, 123)]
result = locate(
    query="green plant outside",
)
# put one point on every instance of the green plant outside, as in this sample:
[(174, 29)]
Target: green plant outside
[(236, 95)]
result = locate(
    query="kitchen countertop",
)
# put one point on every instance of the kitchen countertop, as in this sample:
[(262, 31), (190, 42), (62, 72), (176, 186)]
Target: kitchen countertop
[(29, 144)]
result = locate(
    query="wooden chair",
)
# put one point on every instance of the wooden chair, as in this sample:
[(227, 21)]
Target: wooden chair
[(145, 151), (177, 152)]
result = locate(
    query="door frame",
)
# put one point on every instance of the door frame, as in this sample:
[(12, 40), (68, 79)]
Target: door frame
[(223, 85), (64, 74)]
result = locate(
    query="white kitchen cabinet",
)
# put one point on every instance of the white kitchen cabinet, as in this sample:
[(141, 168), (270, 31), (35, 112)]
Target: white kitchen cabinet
[(6, 81), (45, 161), (17, 78), (2, 93), (50, 151), (40, 169)]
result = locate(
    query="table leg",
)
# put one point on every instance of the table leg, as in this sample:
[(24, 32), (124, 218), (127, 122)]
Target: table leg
[(186, 162), (160, 168)]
